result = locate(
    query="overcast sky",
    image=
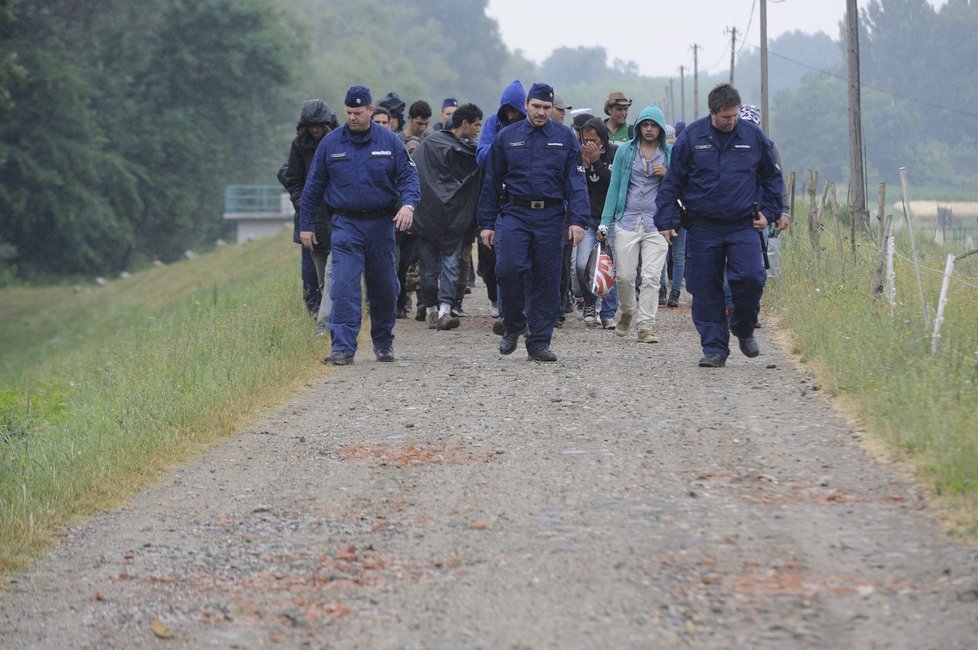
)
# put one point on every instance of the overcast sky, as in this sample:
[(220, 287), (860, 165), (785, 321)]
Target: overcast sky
[(658, 35)]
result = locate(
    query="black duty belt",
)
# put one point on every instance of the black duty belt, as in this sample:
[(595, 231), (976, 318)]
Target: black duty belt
[(365, 215), (538, 204)]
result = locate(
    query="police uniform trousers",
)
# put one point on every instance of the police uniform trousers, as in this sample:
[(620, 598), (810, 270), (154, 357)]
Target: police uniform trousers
[(711, 249), (529, 259), (365, 247)]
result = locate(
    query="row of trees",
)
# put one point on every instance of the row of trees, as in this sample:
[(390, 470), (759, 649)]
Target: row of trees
[(121, 122)]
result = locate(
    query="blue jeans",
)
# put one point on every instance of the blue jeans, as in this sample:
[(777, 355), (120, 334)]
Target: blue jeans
[(678, 249), (439, 271), (609, 304), (310, 283), (368, 248)]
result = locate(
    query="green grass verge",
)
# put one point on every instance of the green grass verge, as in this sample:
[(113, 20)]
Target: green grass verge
[(923, 406), (102, 389)]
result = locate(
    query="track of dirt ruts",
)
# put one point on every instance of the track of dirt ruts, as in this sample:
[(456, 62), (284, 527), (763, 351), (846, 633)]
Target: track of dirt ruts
[(620, 498)]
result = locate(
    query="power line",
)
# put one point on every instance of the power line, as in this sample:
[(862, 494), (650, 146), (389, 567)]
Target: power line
[(908, 98)]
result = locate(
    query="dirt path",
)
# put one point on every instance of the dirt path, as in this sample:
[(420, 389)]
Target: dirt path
[(621, 498)]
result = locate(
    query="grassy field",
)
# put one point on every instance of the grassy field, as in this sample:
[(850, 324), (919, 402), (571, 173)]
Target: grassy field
[(102, 388), (923, 406)]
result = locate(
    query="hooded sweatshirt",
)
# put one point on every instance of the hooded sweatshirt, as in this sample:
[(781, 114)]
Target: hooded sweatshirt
[(314, 111), (513, 96), (614, 205), (599, 174)]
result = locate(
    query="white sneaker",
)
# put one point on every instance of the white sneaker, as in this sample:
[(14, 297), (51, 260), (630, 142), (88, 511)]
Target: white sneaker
[(647, 336), (493, 312)]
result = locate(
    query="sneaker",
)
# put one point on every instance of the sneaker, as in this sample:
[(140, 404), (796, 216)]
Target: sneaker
[(647, 336), (663, 293), (458, 312), (431, 320), (623, 324), (673, 298), (447, 322), (339, 359), (748, 345), (712, 360), (543, 354), (384, 354), (498, 328), (493, 312), (608, 323), (589, 316), (402, 313)]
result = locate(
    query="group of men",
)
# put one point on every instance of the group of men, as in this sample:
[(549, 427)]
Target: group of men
[(533, 188)]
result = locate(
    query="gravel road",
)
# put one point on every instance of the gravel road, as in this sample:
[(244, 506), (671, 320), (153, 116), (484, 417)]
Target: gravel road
[(620, 498)]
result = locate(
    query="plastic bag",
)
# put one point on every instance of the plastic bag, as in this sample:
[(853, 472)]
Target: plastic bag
[(600, 270)]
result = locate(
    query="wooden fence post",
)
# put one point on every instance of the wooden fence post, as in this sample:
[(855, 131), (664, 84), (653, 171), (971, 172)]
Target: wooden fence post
[(881, 255), (838, 230)]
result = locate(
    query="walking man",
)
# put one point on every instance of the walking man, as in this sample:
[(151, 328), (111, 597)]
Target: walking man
[(370, 186), (533, 172), (449, 178), (725, 173)]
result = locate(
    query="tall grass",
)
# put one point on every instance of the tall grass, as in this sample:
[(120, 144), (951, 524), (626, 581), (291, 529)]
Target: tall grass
[(923, 406), (102, 389)]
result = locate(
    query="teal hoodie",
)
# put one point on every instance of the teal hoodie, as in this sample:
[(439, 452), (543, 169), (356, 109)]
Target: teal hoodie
[(621, 171)]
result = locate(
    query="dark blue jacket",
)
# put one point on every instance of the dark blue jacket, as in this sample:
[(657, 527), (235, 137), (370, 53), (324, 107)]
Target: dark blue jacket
[(535, 164), (359, 172), (720, 183)]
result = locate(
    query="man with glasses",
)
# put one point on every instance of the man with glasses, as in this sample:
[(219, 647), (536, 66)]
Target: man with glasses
[(725, 174)]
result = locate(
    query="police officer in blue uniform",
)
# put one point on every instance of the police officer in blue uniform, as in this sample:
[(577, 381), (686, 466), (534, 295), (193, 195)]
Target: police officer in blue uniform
[(370, 186), (533, 175), (725, 174)]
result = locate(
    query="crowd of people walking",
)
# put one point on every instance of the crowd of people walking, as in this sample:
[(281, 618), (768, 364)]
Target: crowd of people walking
[(386, 205)]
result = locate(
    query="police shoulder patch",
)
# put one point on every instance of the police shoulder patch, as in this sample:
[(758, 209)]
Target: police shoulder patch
[(580, 168)]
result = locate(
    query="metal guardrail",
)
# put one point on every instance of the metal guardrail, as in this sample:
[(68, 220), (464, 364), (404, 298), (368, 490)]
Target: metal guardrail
[(252, 198)]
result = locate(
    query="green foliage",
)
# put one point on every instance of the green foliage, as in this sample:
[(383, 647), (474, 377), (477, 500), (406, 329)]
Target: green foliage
[(125, 121), (918, 89)]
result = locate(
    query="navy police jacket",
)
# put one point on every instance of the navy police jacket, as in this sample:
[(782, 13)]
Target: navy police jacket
[(720, 181), (534, 164), (353, 173)]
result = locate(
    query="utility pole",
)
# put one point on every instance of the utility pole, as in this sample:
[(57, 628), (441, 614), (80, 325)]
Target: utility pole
[(857, 192), (764, 112), (696, 83), (672, 99), (733, 48), (682, 90)]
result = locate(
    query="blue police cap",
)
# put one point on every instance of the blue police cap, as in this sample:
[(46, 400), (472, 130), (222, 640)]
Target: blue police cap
[(357, 96), (449, 101), (543, 92)]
